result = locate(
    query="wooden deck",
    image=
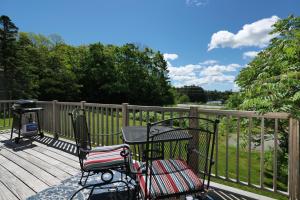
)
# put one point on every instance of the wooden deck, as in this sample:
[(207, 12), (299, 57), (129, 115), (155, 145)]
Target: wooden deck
[(34, 165)]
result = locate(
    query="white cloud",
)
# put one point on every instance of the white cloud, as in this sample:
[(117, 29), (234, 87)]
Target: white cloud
[(196, 2), (255, 34), (219, 69), (209, 62), (202, 73), (170, 56), (187, 70), (250, 54)]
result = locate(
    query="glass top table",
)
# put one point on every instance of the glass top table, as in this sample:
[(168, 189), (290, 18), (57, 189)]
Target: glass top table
[(138, 134)]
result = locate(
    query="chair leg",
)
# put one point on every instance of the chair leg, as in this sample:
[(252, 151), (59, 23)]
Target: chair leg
[(82, 175), (80, 181), (91, 192), (87, 178)]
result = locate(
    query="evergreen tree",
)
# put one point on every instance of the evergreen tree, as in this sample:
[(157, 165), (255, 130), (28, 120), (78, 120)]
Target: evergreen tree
[(8, 35)]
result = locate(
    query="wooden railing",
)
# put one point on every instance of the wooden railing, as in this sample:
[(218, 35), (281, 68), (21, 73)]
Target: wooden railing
[(249, 145)]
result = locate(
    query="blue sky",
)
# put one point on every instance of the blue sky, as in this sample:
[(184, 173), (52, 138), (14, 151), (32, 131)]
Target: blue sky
[(206, 42)]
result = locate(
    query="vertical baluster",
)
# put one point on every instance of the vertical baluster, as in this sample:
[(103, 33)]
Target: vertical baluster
[(61, 116), (98, 126), (249, 150), (226, 146), (217, 153), (1, 114), (93, 125), (238, 150), (118, 126), (69, 118), (62, 119), (112, 125), (102, 126), (147, 118), (65, 121), (155, 116), (106, 125), (180, 143), (170, 143), (133, 113), (171, 116), (69, 122), (141, 117), (262, 151), (275, 156), (4, 115), (88, 118)]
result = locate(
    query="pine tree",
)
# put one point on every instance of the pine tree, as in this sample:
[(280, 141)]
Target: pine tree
[(8, 35)]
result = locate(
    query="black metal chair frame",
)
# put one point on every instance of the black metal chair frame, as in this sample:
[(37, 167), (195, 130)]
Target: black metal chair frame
[(152, 138), (84, 149)]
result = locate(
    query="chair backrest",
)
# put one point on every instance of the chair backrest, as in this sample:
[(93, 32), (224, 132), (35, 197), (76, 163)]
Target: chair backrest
[(196, 150), (81, 131)]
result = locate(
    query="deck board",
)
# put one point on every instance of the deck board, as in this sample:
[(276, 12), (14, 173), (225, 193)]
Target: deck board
[(6, 194), (29, 179), (15, 185), (31, 166)]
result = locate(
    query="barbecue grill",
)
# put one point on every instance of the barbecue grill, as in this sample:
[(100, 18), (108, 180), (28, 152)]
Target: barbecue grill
[(25, 119)]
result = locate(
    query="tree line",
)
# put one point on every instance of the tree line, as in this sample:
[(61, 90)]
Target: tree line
[(197, 94), (46, 68)]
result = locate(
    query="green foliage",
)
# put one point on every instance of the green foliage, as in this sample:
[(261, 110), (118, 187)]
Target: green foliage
[(46, 68), (8, 33), (271, 82)]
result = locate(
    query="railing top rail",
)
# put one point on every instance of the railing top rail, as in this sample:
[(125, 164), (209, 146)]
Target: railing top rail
[(44, 102), (69, 103), (239, 113), (7, 101), (234, 113), (158, 108), (103, 105)]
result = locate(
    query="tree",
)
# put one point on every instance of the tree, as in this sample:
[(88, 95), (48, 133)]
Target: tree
[(8, 35), (271, 82), (195, 93)]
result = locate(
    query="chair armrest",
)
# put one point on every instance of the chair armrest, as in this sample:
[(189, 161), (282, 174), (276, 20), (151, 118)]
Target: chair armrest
[(109, 148)]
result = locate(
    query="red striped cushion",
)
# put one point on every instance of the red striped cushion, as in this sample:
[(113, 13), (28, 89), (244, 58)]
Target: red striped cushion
[(169, 177), (96, 160)]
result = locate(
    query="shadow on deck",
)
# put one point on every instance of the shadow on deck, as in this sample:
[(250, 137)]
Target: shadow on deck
[(46, 168)]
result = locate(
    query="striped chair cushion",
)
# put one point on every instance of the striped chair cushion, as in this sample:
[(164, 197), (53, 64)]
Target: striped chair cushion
[(98, 160), (169, 177)]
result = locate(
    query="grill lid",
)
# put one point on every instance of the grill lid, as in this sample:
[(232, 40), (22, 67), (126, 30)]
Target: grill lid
[(22, 103)]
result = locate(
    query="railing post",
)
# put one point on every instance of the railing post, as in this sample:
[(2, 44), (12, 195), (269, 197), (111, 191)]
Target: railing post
[(193, 123), (125, 115), (55, 134), (82, 104), (294, 160)]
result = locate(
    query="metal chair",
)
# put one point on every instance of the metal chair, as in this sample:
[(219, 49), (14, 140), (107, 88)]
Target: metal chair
[(183, 166), (102, 159)]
